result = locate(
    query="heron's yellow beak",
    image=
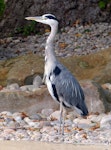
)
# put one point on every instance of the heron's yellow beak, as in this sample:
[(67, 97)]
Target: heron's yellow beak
[(30, 18), (33, 18)]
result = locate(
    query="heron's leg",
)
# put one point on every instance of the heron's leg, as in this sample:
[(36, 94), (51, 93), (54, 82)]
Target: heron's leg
[(44, 78), (63, 122), (61, 111)]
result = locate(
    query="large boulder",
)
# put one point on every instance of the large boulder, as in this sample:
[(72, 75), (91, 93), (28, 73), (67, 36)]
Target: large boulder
[(39, 99), (96, 98), (25, 101), (22, 69)]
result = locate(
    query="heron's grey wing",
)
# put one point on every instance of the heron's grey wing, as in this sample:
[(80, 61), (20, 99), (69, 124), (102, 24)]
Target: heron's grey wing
[(70, 90), (68, 87)]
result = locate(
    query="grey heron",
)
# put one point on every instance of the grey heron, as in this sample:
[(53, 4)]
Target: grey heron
[(61, 84)]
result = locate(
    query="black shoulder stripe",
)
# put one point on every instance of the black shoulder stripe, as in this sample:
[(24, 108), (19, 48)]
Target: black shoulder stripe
[(57, 71), (55, 92)]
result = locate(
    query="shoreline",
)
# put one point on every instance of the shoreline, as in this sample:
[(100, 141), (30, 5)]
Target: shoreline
[(30, 145)]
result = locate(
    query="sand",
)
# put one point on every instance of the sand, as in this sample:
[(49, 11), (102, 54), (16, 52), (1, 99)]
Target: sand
[(25, 145)]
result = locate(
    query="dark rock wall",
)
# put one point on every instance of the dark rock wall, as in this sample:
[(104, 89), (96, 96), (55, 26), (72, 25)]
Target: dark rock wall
[(67, 11)]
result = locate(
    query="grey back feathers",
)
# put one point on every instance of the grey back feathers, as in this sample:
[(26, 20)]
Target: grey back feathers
[(65, 86)]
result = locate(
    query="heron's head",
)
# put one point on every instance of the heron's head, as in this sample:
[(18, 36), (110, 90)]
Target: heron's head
[(48, 19)]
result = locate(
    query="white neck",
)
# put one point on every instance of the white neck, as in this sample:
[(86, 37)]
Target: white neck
[(49, 49)]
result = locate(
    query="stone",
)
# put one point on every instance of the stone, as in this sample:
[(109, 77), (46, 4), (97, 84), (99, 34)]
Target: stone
[(106, 122), (55, 115), (78, 131), (37, 81), (83, 123), (96, 118), (47, 112), (8, 131), (46, 129), (95, 97), (27, 101), (30, 101), (27, 88), (36, 136), (107, 86), (13, 86), (36, 117), (98, 64), (17, 117), (20, 69), (6, 113), (79, 8), (29, 79)]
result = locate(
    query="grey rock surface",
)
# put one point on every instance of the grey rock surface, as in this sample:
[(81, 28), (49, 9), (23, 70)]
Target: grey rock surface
[(32, 101), (70, 12)]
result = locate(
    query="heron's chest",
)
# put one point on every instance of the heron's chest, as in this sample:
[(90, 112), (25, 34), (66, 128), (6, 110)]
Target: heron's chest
[(52, 71), (51, 74), (49, 66)]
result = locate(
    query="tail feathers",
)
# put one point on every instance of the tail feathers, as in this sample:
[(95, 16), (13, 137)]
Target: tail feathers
[(82, 109)]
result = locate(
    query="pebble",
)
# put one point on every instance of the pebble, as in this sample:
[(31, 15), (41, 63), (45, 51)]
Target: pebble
[(27, 88), (36, 117), (106, 122), (55, 115), (47, 112), (19, 126), (80, 40), (13, 86)]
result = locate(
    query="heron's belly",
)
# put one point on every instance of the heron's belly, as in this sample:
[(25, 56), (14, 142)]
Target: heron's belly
[(50, 89)]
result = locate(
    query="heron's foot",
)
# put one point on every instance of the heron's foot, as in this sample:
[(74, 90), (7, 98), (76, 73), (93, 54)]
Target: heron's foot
[(61, 130)]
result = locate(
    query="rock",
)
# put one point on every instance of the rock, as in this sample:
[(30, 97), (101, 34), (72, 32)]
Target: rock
[(81, 135), (106, 122), (17, 117), (47, 112), (5, 113), (83, 123), (29, 79), (26, 101), (95, 97), (96, 118), (13, 87), (20, 70), (96, 67), (71, 115), (36, 117), (37, 81), (31, 101), (45, 123), (8, 131), (27, 88), (31, 123), (79, 8), (106, 86), (46, 129), (36, 136), (55, 115)]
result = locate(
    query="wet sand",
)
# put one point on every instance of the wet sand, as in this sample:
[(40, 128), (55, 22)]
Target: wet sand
[(27, 145)]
